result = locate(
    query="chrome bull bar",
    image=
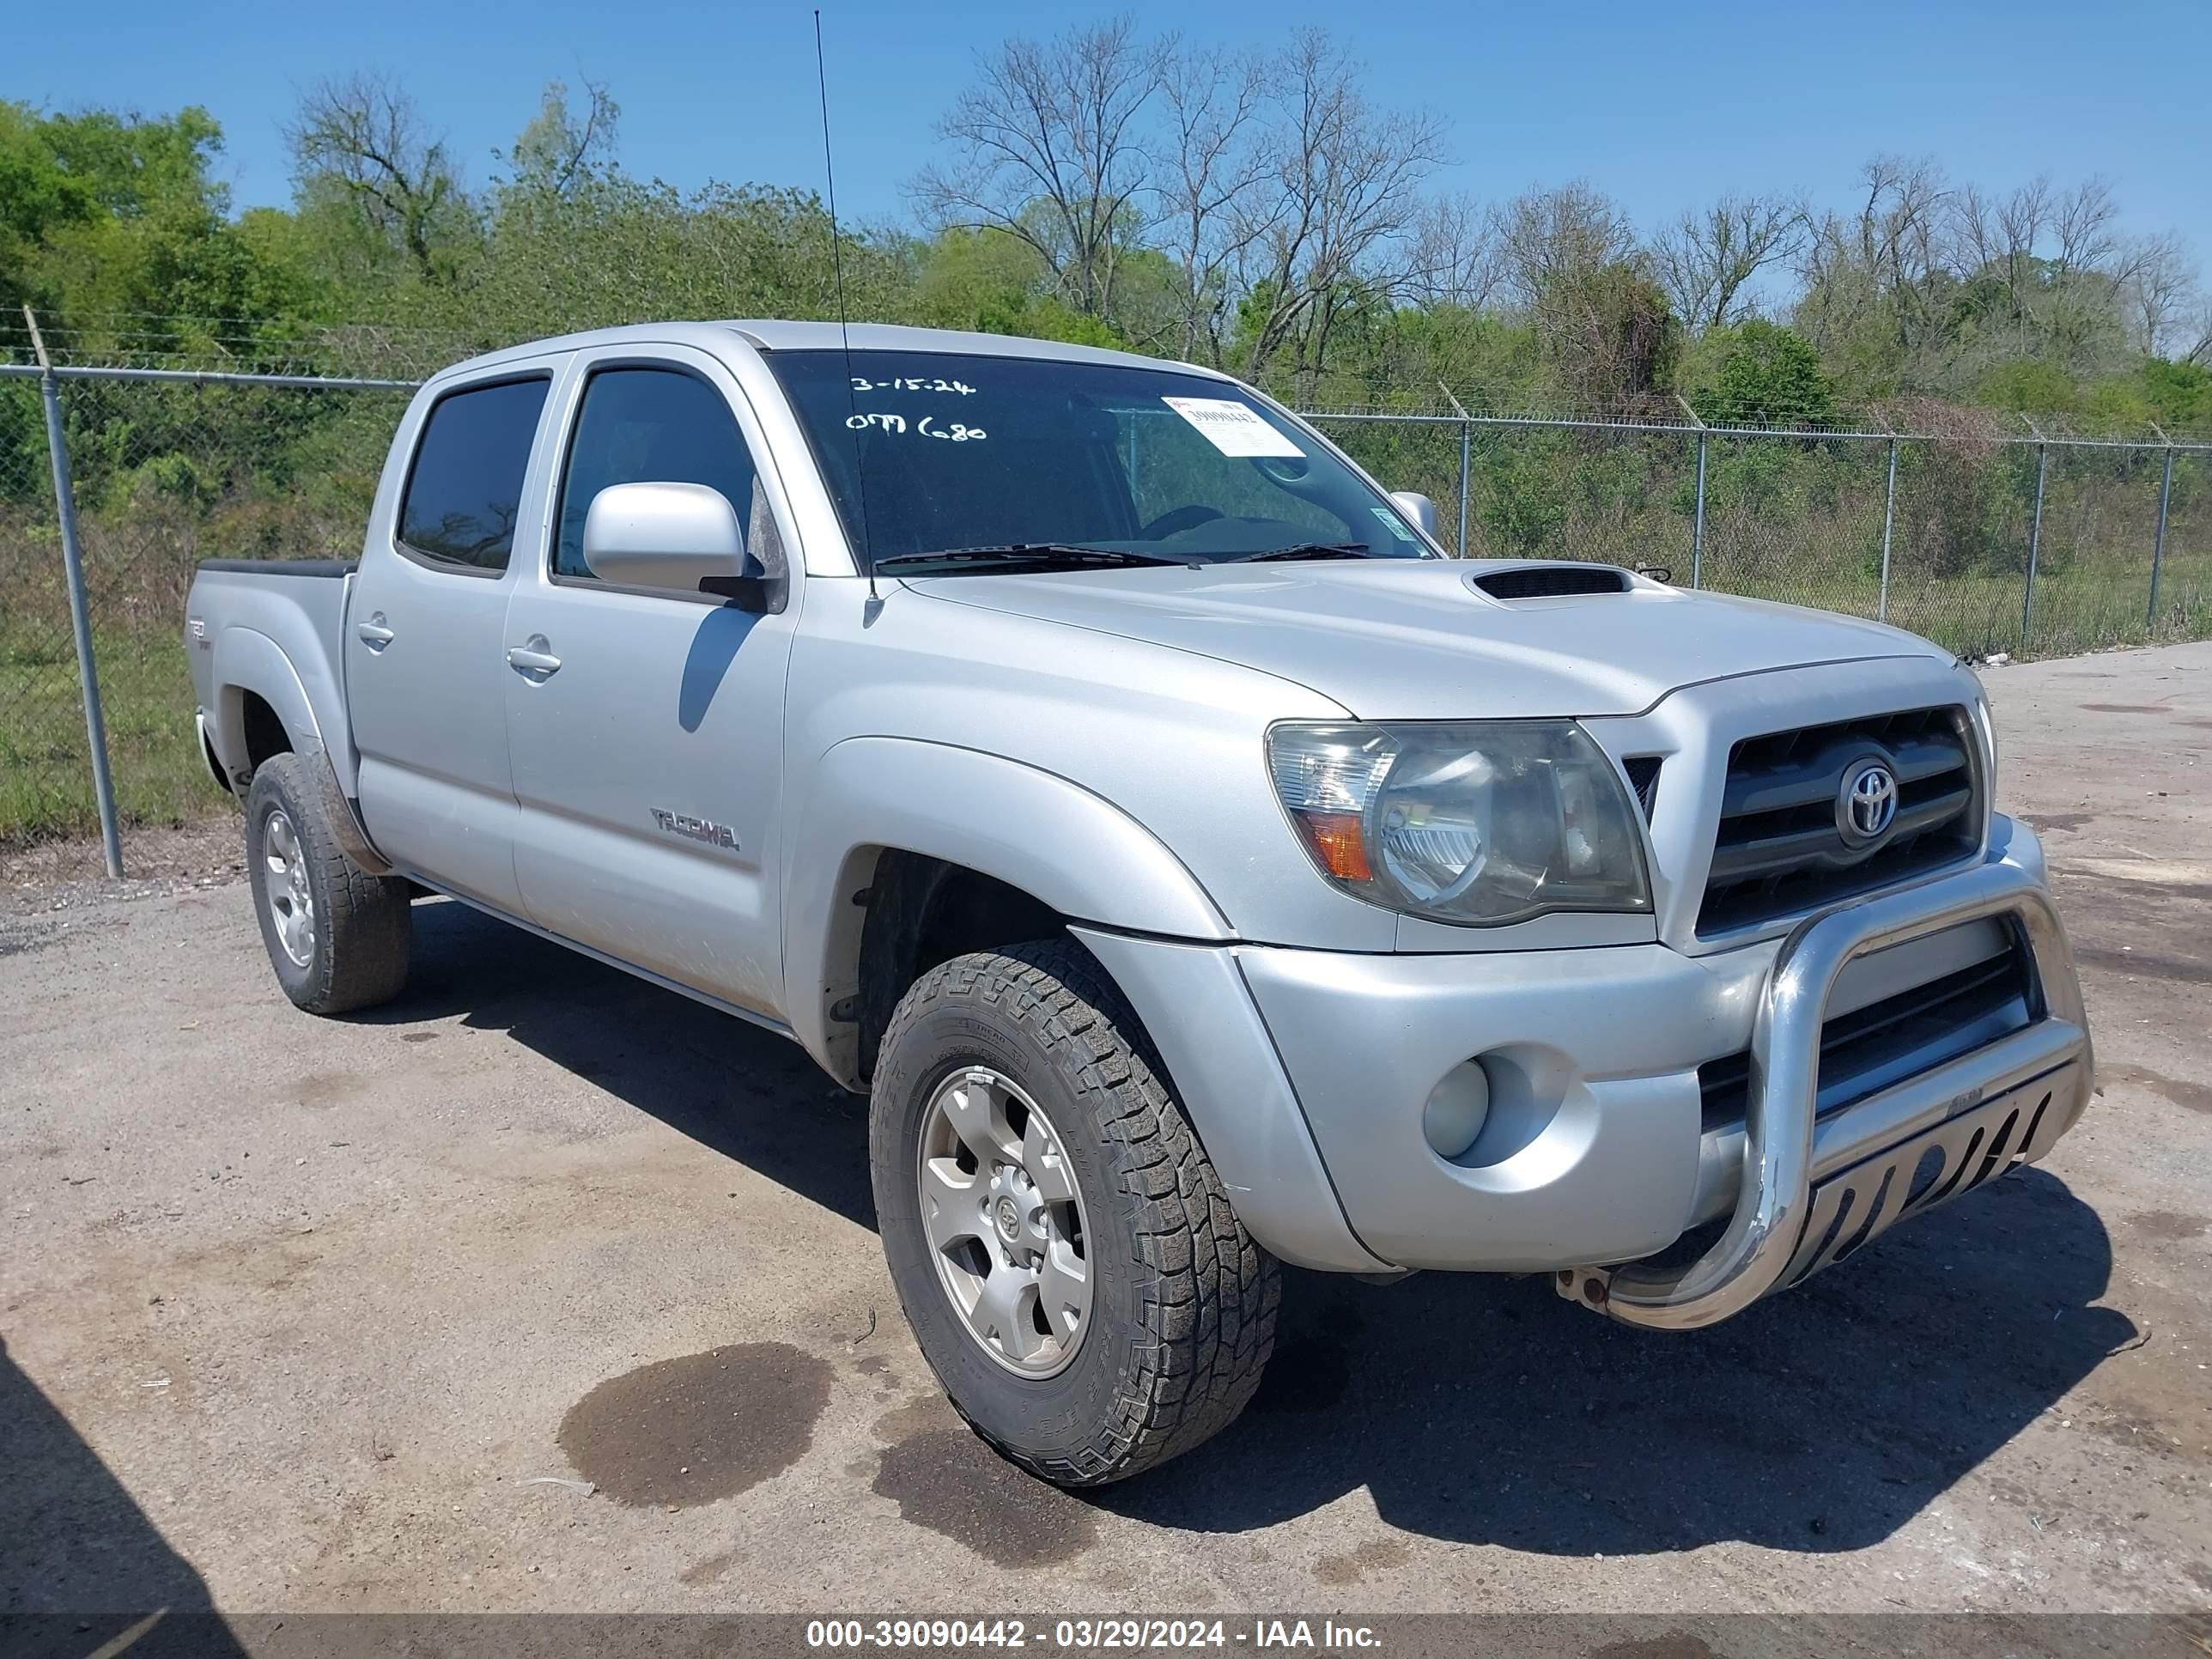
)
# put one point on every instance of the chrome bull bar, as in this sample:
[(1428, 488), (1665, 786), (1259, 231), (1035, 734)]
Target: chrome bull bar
[(1812, 1192)]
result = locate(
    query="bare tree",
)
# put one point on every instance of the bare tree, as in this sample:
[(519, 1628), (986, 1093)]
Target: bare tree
[(1455, 254), (1050, 153), (2000, 238), (2000, 233), (1709, 258), (1900, 233), (2159, 286), (1333, 220), (1884, 264), (363, 139), (2085, 221), (1545, 236), (1209, 170), (2198, 338)]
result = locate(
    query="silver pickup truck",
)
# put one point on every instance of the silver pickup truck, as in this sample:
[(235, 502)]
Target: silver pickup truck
[(1197, 870)]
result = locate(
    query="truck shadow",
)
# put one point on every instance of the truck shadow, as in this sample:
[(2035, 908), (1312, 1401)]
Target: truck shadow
[(1486, 1410), (1472, 1409), (746, 1093), (81, 1566)]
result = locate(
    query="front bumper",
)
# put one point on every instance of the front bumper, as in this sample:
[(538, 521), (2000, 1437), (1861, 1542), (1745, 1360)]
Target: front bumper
[(1595, 1151), (1809, 1193)]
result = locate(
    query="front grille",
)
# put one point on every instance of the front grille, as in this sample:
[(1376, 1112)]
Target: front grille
[(1644, 778), (1778, 849), (1914, 1030)]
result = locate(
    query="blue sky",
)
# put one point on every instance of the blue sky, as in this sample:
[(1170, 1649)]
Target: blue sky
[(1659, 104)]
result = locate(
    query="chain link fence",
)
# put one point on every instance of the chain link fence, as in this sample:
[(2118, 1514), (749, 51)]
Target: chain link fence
[(162, 472), (2023, 543), (1981, 532)]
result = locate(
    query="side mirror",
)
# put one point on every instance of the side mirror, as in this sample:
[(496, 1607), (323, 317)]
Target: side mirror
[(683, 536), (1418, 507)]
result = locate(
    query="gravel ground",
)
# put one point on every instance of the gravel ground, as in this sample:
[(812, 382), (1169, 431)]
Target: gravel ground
[(544, 1289)]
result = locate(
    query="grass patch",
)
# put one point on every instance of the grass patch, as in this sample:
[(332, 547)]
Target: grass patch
[(146, 697)]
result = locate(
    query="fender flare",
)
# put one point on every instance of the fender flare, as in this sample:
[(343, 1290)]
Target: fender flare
[(1052, 838), (247, 661)]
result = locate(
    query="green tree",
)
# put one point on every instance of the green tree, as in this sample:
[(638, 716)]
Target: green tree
[(559, 149), (2180, 393), (364, 159), (1761, 374), (1607, 333), (113, 226)]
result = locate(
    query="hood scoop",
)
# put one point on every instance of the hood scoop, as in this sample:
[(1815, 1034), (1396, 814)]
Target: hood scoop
[(1551, 582)]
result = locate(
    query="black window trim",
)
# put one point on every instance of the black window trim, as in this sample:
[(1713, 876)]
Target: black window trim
[(437, 562), (599, 366)]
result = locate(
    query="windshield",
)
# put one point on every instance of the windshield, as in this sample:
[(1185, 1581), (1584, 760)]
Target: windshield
[(961, 451)]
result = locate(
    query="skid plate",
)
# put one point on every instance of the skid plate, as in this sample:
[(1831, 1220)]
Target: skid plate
[(1957, 1155)]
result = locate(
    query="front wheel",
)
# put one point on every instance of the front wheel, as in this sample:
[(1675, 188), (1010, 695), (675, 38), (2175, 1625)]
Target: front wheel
[(337, 936), (1061, 1245)]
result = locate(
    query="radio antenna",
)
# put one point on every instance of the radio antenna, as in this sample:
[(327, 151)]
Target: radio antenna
[(844, 324)]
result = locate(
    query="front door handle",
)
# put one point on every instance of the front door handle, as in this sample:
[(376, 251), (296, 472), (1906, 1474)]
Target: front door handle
[(374, 634), (533, 660)]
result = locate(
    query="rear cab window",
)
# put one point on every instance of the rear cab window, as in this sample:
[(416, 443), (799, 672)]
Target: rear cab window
[(465, 488)]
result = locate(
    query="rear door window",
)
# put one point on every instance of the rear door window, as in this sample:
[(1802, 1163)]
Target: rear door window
[(465, 488)]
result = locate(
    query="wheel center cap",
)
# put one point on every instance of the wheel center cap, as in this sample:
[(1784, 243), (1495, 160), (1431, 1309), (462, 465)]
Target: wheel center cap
[(1010, 1220)]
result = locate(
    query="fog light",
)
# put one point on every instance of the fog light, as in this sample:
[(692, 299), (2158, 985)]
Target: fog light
[(1458, 1106)]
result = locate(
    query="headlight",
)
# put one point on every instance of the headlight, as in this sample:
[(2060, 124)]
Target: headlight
[(1474, 822)]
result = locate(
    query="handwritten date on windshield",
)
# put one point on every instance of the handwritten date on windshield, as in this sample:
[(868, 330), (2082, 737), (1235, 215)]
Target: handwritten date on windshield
[(913, 383)]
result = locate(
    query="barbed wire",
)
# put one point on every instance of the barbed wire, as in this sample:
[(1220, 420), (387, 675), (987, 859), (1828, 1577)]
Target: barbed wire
[(404, 351), (146, 340)]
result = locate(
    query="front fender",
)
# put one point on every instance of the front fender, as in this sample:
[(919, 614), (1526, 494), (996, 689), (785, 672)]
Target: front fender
[(1053, 839)]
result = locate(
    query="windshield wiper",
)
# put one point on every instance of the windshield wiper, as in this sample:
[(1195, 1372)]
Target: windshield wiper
[(1066, 556), (1305, 550)]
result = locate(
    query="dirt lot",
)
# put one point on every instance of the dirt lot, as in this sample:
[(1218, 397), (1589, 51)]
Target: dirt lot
[(545, 1289)]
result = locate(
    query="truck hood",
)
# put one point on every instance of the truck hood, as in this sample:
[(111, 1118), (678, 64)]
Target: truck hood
[(1401, 639)]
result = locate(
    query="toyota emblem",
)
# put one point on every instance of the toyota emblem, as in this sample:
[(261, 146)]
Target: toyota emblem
[(1865, 805)]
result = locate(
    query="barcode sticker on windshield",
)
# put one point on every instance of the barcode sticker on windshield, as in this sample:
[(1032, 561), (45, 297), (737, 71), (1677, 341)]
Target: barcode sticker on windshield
[(1393, 524), (1234, 429)]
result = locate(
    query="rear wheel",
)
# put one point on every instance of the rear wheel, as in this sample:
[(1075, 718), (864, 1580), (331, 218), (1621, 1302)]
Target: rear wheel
[(1061, 1245), (337, 936)]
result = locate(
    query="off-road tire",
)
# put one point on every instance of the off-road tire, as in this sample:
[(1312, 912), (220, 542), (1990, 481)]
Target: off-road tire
[(362, 923), (1184, 1304)]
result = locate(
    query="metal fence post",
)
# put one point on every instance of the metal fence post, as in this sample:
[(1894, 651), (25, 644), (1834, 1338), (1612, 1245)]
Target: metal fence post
[(2157, 536), (1698, 534), (1889, 518), (2034, 546), (1698, 526), (95, 727), (1467, 472), (1465, 460)]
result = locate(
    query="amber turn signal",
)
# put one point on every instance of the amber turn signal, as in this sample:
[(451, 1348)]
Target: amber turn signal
[(1336, 841)]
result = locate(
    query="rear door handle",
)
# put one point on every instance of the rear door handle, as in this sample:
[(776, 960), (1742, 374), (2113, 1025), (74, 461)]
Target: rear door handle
[(374, 634), (533, 661)]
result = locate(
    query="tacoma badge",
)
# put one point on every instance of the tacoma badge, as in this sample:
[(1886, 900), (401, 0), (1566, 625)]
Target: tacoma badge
[(680, 824)]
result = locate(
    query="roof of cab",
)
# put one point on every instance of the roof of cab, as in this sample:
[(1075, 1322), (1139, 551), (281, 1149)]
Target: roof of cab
[(773, 336)]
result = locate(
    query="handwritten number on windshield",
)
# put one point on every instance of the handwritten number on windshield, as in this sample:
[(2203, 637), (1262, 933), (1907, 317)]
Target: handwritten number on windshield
[(952, 431)]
